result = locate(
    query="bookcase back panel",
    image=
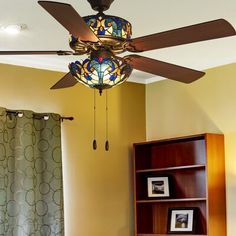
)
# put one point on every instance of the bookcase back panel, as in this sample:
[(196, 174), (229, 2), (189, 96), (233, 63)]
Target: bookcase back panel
[(145, 218), (178, 154), (182, 183), (170, 153)]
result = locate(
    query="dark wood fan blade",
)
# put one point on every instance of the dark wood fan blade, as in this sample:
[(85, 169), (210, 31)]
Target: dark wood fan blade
[(66, 15), (164, 69), (67, 81), (60, 53), (205, 31)]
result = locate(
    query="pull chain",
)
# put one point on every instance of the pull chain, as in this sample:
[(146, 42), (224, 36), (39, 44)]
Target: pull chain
[(107, 142), (94, 121)]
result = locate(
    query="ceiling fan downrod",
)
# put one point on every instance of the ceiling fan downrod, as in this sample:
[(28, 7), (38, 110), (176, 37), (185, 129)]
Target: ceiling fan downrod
[(100, 5)]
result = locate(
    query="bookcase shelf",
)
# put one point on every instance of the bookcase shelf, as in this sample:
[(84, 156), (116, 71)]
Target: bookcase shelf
[(194, 166), (172, 200), (172, 168)]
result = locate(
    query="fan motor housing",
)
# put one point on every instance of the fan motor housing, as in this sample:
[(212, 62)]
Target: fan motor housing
[(100, 5)]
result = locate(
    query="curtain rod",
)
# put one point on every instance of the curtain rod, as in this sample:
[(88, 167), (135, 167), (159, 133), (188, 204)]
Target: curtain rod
[(66, 118), (41, 116)]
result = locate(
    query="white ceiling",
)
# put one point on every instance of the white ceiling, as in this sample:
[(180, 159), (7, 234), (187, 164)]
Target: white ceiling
[(147, 17)]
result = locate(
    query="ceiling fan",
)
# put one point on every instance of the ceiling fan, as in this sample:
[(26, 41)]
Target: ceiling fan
[(102, 37)]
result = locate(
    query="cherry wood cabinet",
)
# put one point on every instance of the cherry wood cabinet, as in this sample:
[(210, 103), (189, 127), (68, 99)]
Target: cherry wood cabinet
[(196, 168)]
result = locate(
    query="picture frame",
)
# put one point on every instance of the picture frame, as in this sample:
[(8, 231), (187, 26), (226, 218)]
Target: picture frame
[(158, 186), (182, 220)]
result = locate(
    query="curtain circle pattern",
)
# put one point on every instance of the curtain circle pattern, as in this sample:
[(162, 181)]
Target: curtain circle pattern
[(31, 187)]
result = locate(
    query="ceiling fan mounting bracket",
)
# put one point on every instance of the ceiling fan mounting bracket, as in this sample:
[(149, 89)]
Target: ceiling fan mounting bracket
[(100, 5)]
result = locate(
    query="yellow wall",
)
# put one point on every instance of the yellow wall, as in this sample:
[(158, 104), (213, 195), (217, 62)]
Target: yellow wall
[(97, 184), (208, 105)]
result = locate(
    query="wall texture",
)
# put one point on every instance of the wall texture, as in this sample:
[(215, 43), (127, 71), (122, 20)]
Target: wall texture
[(97, 184), (207, 105)]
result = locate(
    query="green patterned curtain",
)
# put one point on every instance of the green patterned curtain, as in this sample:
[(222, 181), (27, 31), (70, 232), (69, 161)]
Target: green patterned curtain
[(31, 191)]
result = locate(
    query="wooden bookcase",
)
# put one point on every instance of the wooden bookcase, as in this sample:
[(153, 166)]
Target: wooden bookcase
[(197, 170)]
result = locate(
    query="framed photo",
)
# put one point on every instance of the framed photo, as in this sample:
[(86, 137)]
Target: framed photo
[(182, 220), (158, 186)]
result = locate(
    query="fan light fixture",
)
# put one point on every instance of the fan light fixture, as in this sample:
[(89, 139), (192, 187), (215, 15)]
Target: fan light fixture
[(102, 70)]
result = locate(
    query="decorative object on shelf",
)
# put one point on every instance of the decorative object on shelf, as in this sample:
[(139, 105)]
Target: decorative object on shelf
[(94, 33), (158, 186), (182, 220)]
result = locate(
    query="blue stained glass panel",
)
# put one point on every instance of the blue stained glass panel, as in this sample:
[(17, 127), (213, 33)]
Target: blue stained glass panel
[(100, 72), (105, 25)]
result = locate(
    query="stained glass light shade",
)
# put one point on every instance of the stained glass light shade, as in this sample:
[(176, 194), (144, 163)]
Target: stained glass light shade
[(100, 72), (112, 31), (109, 26)]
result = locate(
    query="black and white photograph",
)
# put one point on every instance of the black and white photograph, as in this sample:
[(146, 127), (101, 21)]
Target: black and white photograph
[(158, 187), (181, 220)]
